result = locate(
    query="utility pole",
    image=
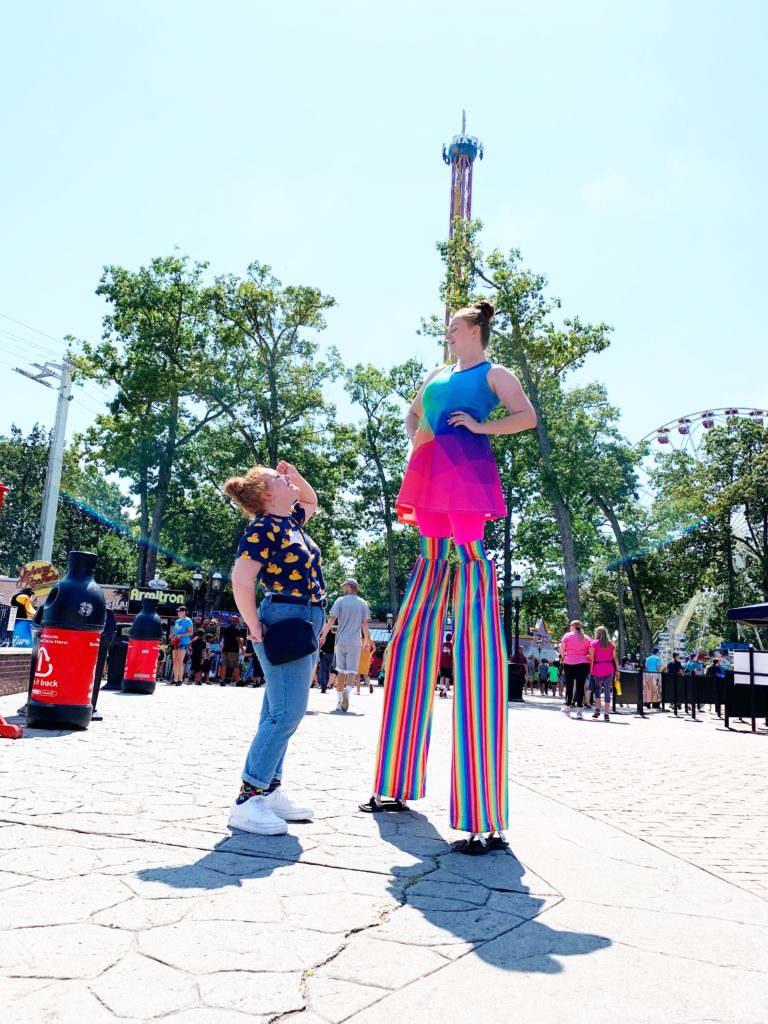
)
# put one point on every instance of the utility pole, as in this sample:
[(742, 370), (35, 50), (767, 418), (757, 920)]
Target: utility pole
[(62, 372)]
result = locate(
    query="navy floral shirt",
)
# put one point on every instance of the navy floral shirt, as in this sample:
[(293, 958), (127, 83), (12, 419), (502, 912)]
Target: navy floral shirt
[(290, 560)]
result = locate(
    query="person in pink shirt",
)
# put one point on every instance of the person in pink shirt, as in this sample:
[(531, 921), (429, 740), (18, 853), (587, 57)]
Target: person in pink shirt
[(603, 666), (574, 650)]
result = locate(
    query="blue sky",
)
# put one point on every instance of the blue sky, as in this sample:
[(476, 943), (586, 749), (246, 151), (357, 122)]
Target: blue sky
[(625, 155)]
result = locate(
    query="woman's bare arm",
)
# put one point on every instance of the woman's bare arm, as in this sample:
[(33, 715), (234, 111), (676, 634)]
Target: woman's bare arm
[(244, 574), (307, 497)]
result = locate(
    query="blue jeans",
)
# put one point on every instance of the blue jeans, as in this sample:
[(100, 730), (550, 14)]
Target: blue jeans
[(286, 694), (324, 669)]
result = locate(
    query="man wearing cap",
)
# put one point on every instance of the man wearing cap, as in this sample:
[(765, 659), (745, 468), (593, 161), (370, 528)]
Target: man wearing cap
[(351, 613)]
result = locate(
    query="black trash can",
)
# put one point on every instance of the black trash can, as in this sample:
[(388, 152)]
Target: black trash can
[(116, 660)]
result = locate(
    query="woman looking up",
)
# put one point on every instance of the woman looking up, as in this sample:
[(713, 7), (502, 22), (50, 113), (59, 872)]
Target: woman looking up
[(276, 552), (450, 489)]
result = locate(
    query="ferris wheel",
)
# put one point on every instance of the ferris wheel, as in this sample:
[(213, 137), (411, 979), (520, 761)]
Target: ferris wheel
[(687, 432)]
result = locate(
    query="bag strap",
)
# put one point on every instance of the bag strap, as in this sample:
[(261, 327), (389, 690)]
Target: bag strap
[(306, 545)]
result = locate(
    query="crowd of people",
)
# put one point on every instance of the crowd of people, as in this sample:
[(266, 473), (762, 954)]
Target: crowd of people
[(218, 650), (207, 650)]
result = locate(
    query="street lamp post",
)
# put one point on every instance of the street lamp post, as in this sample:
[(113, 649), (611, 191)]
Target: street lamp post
[(515, 671), (197, 582), (216, 582)]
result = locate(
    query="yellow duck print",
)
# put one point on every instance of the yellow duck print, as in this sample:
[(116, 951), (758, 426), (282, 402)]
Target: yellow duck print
[(275, 570), (264, 553), (277, 586), (253, 539), (245, 555), (290, 557), (296, 593), (295, 575), (270, 535), (285, 543)]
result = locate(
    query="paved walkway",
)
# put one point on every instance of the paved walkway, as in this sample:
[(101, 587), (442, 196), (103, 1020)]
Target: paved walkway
[(634, 891)]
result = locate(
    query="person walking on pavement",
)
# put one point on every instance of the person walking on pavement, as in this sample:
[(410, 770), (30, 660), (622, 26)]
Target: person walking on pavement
[(675, 668), (543, 672), (364, 668), (197, 650), (446, 666), (327, 649), (574, 650), (351, 613), (182, 637), (603, 666), (277, 552), (231, 646)]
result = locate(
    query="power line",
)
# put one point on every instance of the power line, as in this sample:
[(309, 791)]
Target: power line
[(96, 396), (29, 327), (20, 340)]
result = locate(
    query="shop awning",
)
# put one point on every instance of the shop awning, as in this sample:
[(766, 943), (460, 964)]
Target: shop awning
[(750, 615)]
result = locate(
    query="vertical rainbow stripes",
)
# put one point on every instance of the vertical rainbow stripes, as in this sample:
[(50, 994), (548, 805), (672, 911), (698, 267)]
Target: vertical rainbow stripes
[(479, 761), (409, 681)]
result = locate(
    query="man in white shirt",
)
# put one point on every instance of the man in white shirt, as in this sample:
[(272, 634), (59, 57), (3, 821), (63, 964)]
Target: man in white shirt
[(351, 613)]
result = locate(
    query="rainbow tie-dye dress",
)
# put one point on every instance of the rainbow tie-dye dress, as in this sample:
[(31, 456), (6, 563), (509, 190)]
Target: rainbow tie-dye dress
[(451, 469)]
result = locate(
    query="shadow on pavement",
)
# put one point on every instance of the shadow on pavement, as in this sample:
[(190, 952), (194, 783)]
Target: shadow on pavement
[(481, 901), (254, 857)]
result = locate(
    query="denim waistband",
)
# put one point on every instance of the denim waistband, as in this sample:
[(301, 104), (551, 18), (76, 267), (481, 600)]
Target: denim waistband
[(289, 599)]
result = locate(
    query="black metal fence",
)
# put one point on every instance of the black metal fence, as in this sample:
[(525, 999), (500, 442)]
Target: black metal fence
[(684, 694)]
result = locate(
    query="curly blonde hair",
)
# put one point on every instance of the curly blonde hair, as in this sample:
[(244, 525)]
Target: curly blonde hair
[(249, 491)]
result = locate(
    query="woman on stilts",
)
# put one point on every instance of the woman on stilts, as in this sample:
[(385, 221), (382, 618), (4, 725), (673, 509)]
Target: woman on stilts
[(451, 487)]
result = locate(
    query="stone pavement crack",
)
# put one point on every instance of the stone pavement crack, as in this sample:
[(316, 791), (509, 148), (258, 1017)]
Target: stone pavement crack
[(663, 911), (690, 959)]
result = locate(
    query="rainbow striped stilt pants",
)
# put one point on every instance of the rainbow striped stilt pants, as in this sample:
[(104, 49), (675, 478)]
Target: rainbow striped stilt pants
[(409, 680), (479, 763)]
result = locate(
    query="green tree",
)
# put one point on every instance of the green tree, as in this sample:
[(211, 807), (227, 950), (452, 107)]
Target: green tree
[(23, 464), (383, 448), (541, 351), (370, 557), (156, 350), (272, 386)]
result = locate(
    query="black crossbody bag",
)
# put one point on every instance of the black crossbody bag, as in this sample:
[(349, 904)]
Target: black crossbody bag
[(291, 639)]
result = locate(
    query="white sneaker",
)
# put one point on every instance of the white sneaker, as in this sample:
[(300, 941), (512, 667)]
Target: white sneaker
[(345, 700), (280, 804), (567, 709), (579, 714), (254, 816)]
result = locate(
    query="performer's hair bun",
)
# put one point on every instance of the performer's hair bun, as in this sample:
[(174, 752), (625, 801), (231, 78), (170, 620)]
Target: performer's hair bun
[(485, 308), (480, 314)]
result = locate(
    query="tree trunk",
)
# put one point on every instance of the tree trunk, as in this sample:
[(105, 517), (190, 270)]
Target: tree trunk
[(551, 488), (620, 614), (730, 575), (141, 566), (634, 589), (164, 474), (389, 532)]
